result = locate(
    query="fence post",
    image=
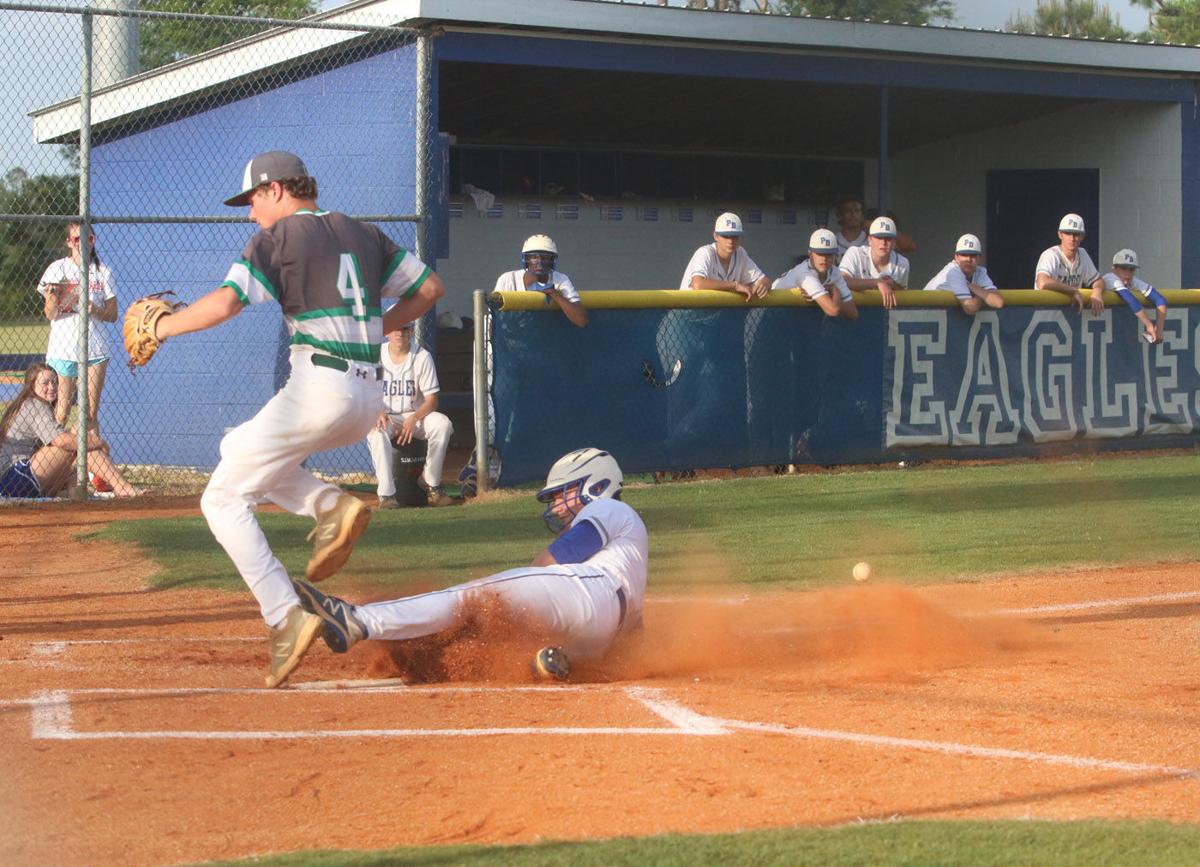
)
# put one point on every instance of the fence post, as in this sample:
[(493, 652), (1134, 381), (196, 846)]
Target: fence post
[(85, 260), (424, 130), (479, 387)]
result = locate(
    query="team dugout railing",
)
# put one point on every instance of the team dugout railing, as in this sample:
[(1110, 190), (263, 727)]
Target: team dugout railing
[(670, 380)]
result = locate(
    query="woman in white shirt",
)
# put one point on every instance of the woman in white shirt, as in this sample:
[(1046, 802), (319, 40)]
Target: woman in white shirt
[(59, 288)]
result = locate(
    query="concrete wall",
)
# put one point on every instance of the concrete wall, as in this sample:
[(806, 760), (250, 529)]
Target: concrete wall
[(940, 189), (616, 244)]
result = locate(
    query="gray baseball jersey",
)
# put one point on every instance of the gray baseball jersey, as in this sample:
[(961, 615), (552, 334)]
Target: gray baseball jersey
[(1075, 274), (328, 272)]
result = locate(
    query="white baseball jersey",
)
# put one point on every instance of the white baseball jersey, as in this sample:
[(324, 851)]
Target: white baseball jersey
[(857, 263), (1076, 274), (845, 243), (952, 279), (706, 263), (805, 276), (1137, 284), (514, 281), (407, 383), (583, 605), (64, 328)]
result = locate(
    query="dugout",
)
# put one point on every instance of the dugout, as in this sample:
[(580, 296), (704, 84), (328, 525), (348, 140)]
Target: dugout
[(621, 130)]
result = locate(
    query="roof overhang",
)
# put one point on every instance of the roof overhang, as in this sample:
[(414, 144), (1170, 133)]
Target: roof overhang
[(609, 21)]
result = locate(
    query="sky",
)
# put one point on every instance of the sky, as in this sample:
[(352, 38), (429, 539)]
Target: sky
[(38, 66), (995, 13)]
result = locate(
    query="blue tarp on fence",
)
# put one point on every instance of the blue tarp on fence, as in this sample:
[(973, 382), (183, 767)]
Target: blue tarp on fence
[(735, 387)]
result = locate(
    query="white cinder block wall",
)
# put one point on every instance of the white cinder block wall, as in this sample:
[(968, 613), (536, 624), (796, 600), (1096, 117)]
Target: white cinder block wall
[(939, 190), (603, 253)]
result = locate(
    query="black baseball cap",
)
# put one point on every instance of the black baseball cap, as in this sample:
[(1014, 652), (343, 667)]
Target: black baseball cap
[(270, 166)]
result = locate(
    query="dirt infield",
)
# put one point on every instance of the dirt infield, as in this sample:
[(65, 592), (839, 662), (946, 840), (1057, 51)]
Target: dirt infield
[(134, 730)]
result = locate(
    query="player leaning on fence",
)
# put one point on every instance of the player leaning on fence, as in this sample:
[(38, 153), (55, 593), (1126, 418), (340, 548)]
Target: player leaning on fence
[(328, 273), (724, 265), (1068, 267)]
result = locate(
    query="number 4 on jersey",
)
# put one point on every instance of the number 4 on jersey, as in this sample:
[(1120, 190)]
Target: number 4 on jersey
[(351, 288)]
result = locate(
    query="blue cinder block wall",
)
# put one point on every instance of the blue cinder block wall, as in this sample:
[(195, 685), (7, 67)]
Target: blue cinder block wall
[(352, 125)]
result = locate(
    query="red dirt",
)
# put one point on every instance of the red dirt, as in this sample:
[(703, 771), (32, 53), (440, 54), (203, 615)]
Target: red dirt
[(810, 681)]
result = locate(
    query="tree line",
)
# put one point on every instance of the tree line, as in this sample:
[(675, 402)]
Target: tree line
[(25, 248)]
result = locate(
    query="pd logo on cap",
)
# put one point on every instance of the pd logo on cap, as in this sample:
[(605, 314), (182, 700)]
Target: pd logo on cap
[(882, 227), (968, 245), (1072, 224), (728, 224), (822, 241), (1125, 258)]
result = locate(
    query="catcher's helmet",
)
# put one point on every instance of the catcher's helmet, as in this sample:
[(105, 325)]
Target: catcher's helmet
[(542, 246), (593, 473)]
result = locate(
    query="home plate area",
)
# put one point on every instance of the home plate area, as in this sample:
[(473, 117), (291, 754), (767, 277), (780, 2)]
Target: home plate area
[(358, 709)]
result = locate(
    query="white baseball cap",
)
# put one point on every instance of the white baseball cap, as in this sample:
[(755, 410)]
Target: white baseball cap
[(728, 223), (1125, 258), (968, 245), (883, 227), (1072, 224), (822, 241)]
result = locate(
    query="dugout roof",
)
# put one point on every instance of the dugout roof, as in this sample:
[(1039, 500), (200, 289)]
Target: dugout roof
[(809, 71)]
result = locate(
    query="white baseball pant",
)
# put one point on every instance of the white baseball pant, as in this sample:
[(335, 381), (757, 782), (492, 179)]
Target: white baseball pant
[(579, 605), (435, 429), (319, 408)]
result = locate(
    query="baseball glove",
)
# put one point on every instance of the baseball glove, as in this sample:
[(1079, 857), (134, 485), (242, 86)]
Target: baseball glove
[(140, 321)]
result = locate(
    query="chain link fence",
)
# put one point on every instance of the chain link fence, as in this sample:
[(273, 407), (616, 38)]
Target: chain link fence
[(85, 88)]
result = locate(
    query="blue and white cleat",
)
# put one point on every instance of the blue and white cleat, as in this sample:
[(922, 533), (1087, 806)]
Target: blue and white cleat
[(341, 628)]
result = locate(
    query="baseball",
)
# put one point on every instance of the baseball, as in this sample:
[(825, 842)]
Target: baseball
[(862, 571)]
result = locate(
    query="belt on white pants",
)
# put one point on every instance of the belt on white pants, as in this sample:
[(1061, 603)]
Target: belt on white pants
[(335, 363)]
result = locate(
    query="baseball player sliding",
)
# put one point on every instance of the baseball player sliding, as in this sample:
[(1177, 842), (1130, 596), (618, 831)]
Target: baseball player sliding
[(580, 592), (328, 273), (410, 399)]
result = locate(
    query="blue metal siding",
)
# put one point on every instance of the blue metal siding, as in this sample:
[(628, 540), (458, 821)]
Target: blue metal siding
[(353, 127)]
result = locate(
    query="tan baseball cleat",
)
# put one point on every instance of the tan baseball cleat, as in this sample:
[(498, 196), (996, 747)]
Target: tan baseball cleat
[(334, 536), (290, 642)]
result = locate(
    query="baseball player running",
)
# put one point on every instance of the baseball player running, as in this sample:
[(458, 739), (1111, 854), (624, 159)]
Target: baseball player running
[(410, 399), (877, 265), (820, 278), (1068, 267), (1124, 281), (328, 273), (582, 591), (967, 279)]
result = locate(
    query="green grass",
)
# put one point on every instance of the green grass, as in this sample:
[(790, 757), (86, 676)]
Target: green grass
[(24, 337), (914, 526), (919, 844)]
